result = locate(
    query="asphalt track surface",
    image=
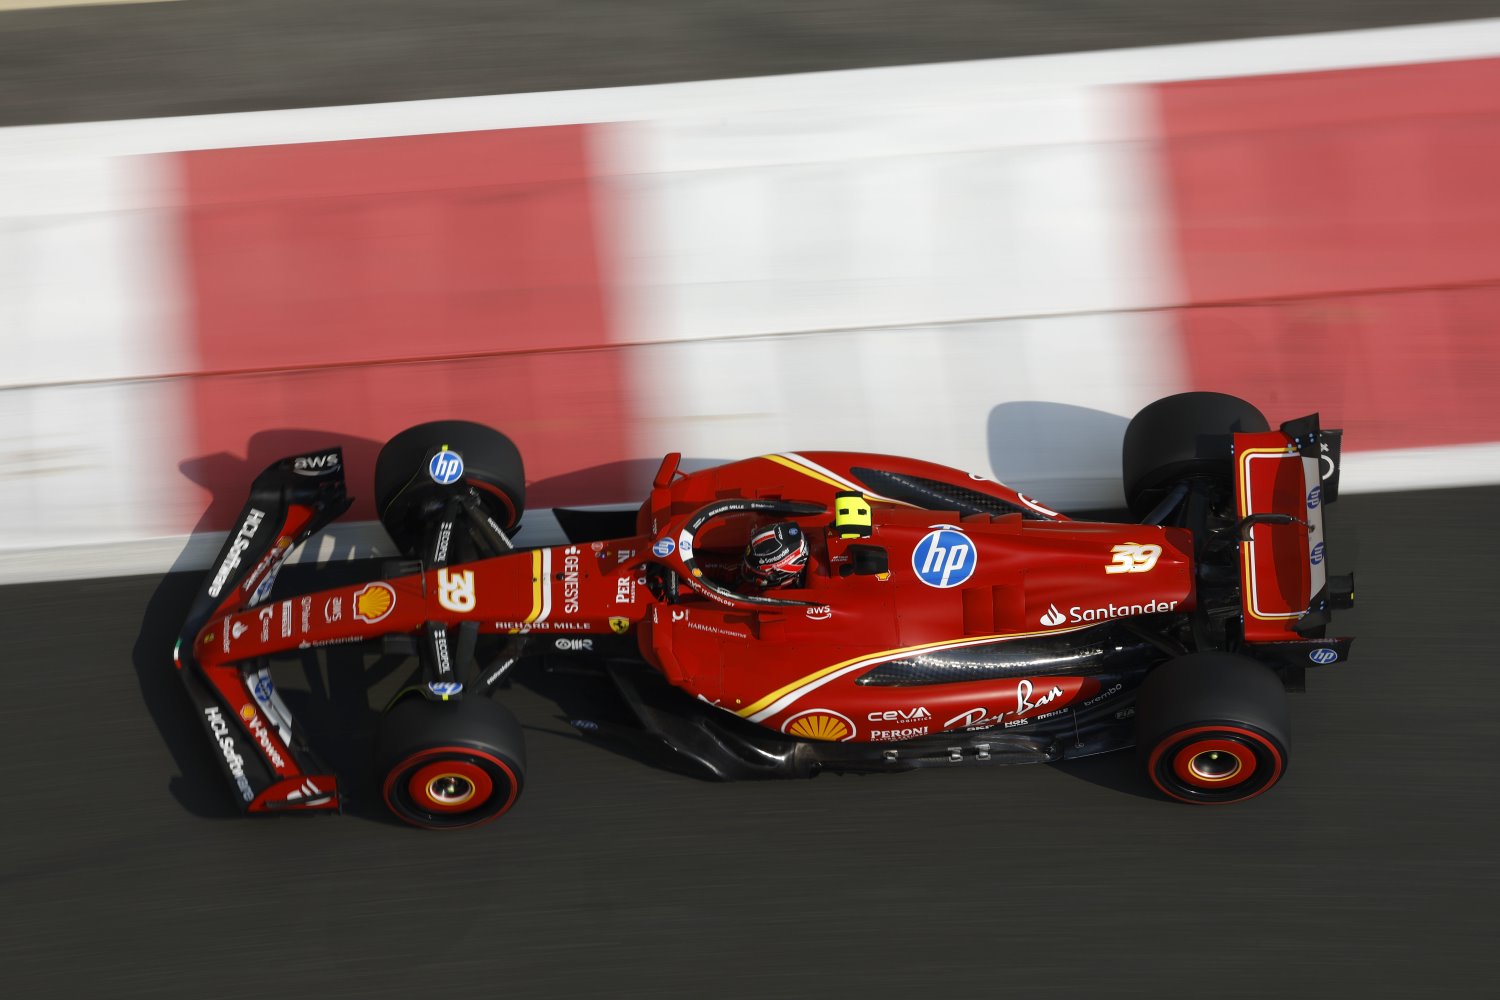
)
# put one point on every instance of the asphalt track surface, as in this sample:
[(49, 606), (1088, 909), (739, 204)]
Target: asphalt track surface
[(1369, 872), (202, 56)]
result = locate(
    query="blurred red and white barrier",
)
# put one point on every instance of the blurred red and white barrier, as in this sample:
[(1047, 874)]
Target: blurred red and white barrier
[(987, 264)]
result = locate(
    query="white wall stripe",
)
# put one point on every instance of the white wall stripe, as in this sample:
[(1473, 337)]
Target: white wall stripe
[(1424, 469)]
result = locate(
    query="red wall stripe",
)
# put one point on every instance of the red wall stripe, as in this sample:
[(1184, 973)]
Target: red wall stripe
[(1337, 240), (325, 274)]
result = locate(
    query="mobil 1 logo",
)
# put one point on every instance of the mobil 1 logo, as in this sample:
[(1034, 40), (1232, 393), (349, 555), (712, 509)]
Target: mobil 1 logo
[(944, 557), (446, 467)]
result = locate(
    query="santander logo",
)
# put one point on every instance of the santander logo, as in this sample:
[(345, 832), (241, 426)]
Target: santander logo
[(1053, 616)]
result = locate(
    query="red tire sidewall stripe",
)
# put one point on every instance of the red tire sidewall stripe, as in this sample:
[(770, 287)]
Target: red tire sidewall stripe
[(499, 493)]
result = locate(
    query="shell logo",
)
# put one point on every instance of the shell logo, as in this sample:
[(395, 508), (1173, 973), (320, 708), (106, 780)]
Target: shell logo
[(820, 724), (247, 713), (373, 602)]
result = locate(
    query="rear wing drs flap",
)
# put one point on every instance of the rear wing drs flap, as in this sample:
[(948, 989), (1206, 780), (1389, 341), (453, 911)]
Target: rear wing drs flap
[(1284, 481)]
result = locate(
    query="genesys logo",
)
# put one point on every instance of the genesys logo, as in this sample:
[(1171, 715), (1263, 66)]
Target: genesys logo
[(1078, 614)]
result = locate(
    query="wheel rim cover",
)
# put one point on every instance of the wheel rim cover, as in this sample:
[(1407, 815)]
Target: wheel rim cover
[(1188, 764), (473, 786)]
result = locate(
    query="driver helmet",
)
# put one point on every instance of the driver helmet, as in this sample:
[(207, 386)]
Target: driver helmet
[(777, 554)]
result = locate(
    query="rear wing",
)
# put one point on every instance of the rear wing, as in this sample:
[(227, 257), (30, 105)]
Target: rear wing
[(1284, 481), (259, 745)]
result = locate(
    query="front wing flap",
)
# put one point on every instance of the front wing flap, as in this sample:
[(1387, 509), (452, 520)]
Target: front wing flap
[(258, 744)]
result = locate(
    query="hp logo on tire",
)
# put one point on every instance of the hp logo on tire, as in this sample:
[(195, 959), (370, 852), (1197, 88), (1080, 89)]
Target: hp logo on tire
[(944, 558), (446, 467)]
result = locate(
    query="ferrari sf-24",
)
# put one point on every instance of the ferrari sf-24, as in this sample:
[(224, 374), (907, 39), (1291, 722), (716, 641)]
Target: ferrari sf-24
[(939, 619)]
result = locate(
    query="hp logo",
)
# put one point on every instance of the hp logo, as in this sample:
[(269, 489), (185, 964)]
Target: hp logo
[(944, 558), (446, 467), (1317, 554), (1324, 655)]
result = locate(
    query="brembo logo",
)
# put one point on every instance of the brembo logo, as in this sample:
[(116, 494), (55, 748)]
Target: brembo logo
[(237, 550)]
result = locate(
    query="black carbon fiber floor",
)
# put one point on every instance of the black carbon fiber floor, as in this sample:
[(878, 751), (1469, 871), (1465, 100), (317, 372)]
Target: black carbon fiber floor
[(1371, 865)]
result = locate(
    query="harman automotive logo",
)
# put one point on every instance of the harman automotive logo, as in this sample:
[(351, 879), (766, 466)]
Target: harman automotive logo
[(446, 467), (944, 558), (1323, 655)]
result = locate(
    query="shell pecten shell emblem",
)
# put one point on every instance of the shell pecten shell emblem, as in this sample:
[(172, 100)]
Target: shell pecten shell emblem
[(374, 601), (820, 724)]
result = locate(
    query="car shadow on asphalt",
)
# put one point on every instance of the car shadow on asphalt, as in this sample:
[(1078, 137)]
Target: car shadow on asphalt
[(1118, 771), (329, 692)]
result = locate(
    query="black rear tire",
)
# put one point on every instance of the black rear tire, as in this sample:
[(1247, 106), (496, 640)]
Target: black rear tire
[(449, 765), (1212, 728), (1181, 436), (406, 491)]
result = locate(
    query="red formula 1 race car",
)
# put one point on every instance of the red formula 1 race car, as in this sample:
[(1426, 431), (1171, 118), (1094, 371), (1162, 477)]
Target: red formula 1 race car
[(791, 613)]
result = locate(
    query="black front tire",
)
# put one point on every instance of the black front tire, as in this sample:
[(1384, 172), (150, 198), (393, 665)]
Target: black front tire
[(1180, 436), (1212, 728), (406, 493), (445, 766)]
